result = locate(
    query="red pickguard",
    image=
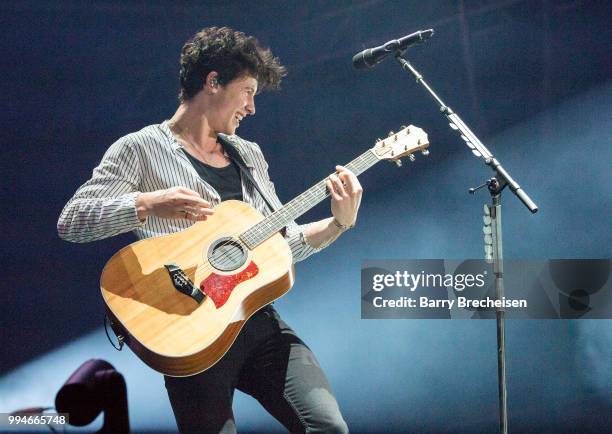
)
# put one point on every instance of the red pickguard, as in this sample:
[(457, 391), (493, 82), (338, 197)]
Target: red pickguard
[(219, 287)]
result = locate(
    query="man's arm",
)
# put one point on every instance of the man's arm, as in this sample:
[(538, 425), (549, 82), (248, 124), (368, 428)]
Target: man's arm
[(111, 203), (105, 205)]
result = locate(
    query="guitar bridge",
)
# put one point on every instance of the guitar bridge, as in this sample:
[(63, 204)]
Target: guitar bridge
[(183, 284)]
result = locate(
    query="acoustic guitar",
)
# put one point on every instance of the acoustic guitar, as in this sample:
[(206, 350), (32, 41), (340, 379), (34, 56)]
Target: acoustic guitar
[(179, 301)]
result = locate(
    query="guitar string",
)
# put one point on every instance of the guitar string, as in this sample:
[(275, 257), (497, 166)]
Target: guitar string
[(254, 238), (360, 163)]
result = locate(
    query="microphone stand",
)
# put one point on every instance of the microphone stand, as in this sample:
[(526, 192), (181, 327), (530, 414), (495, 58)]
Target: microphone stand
[(495, 185)]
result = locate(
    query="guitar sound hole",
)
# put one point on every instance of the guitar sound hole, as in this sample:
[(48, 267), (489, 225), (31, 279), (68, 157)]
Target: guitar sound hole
[(226, 254)]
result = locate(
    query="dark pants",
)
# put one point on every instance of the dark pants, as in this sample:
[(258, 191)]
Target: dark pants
[(269, 362)]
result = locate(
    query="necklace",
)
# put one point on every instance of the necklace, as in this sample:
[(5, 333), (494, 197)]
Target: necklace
[(217, 160)]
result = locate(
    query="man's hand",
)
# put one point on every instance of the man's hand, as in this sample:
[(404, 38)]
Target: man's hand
[(176, 202), (345, 192)]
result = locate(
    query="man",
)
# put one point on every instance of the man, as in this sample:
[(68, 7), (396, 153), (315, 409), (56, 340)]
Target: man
[(165, 177)]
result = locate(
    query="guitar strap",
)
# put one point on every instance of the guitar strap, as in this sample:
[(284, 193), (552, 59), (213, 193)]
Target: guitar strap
[(231, 150)]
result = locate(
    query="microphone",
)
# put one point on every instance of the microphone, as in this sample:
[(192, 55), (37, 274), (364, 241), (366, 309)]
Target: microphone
[(371, 56)]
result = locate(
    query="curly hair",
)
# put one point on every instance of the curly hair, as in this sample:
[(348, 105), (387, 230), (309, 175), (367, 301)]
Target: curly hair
[(232, 54)]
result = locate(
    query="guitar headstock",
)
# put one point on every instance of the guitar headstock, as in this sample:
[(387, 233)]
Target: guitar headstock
[(406, 142)]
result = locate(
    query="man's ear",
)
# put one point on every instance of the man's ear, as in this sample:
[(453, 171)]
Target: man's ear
[(212, 81)]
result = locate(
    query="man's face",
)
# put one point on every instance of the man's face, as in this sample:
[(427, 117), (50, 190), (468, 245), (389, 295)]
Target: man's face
[(233, 102)]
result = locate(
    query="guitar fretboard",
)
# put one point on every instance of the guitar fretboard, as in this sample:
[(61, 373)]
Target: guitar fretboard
[(263, 230)]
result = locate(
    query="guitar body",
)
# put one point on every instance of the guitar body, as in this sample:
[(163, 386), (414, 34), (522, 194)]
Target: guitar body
[(171, 331)]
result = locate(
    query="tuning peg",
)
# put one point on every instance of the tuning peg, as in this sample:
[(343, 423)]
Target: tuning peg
[(398, 163), (391, 133), (412, 157), (403, 127), (425, 152)]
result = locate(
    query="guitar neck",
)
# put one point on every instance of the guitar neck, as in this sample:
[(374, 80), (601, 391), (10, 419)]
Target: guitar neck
[(263, 230)]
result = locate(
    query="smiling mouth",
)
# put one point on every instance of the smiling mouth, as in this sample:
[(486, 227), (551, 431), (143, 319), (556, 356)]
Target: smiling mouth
[(238, 118)]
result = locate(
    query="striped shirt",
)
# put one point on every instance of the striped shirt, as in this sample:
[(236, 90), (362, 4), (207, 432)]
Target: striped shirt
[(149, 160)]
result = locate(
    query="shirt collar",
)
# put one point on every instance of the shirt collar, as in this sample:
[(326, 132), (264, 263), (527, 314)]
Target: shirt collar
[(176, 145)]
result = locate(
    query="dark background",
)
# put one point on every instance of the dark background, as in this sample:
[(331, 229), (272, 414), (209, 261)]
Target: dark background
[(531, 78)]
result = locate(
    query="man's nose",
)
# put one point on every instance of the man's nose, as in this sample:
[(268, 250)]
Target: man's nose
[(251, 106)]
